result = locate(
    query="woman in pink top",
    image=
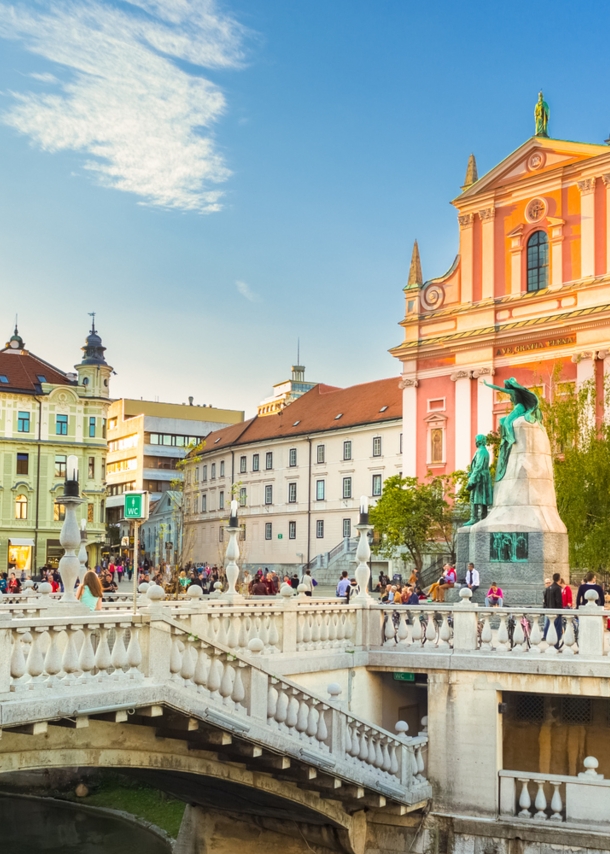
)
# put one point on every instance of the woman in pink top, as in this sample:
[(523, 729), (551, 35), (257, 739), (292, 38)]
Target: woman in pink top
[(495, 597)]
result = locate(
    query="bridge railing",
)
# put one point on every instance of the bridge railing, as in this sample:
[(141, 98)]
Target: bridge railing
[(436, 628), (85, 657)]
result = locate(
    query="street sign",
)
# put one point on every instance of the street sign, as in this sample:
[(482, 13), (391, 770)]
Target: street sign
[(280, 536), (404, 677), (136, 505)]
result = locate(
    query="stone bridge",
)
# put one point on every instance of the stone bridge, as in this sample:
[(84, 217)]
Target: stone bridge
[(276, 715)]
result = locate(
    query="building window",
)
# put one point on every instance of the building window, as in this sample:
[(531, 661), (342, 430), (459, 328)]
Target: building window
[(195, 504), (204, 475), (320, 490), (222, 469), (59, 512), (23, 463), (23, 422), (92, 428), (91, 468), (320, 529), (102, 512), (255, 462), (243, 496), (268, 494), (221, 534), (347, 527), (292, 530), (377, 446), (213, 471), (436, 445), (61, 425), (90, 512), (292, 493), (538, 261), (196, 474), (400, 444), (204, 503), (104, 428), (269, 460), (243, 463), (221, 500), (347, 487), (376, 485), (268, 530), (320, 453), (292, 457), (21, 507), (347, 450), (60, 465)]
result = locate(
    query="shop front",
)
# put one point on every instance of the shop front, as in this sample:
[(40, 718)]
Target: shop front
[(20, 552)]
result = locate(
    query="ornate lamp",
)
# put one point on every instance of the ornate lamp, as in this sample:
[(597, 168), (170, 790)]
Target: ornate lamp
[(363, 553), (70, 536), (231, 555)]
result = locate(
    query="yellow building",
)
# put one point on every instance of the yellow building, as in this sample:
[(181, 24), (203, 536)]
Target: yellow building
[(46, 415)]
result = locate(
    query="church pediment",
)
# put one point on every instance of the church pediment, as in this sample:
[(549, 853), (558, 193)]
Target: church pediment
[(535, 157)]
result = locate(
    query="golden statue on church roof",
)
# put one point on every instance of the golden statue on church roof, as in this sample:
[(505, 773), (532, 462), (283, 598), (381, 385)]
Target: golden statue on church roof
[(541, 114)]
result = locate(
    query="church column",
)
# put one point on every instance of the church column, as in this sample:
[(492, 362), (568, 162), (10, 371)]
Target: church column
[(604, 357), (488, 219), (587, 227), (585, 367), (556, 229), (485, 401), (606, 179), (409, 426), (466, 252), (463, 439), (516, 240)]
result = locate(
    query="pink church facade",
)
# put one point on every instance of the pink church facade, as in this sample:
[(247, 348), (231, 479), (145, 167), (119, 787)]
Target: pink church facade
[(529, 289)]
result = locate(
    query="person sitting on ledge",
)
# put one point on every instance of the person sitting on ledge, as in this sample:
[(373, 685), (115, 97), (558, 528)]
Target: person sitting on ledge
[(495, 597)]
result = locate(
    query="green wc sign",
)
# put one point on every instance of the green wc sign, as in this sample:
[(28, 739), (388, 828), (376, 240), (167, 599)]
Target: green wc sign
[(136, 505)]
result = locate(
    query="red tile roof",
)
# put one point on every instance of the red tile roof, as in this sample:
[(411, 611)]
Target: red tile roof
[(316, 412), (22, 369)]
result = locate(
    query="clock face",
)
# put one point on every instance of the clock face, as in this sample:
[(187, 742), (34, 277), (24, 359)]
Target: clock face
[(14, 344)]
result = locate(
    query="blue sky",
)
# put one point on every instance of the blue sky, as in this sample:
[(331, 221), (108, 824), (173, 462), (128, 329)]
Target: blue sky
[(216, 181)]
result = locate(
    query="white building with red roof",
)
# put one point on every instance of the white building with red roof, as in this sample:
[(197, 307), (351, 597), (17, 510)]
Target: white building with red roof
[(298, 476)]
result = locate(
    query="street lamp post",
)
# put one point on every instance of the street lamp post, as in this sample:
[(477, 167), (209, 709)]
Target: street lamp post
[(363, 553), (70, 538), (231, 556)]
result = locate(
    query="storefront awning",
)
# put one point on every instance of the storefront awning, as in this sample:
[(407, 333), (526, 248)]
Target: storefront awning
[(18, 541)]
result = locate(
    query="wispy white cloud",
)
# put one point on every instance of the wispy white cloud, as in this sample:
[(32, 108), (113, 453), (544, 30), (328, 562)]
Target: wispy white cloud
[(246, 291), (45, 77), (125, 98)]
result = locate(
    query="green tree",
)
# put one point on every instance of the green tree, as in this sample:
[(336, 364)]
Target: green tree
[(580, 443), (418, 517)]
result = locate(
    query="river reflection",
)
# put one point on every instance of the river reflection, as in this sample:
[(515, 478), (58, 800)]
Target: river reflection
[(31, 826)]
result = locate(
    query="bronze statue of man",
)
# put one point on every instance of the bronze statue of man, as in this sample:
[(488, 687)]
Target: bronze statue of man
[(541, 114), (479, 482)]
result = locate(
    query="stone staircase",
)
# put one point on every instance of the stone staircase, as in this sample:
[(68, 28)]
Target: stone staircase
[(327, 567)]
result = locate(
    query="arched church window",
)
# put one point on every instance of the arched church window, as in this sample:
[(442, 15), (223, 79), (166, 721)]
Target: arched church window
[(21, 507), (538, 261)]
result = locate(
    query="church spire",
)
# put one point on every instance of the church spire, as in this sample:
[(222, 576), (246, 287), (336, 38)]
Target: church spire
[(416, 278), (471, 173)]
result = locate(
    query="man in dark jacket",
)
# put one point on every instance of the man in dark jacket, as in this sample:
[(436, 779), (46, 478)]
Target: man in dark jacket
[(590, 583), (553, 599)]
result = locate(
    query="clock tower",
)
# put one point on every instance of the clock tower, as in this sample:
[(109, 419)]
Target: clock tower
[(94, 372)]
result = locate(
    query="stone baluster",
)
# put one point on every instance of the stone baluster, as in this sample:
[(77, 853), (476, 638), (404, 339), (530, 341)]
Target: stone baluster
[(570, 646), (525, 801), (389, 629), (18, 663), (134, 653), (402, 632), (119, 652), (556, 803), (431, 631), (52, 660), (102, 653), (35, 660), (519, 643), (486, 633), (215, 675), (416, 628), (69, 661), (503, 640), (445, 634), (540, 802), (551, 636), (535, 635), (227, 681), (202, 666), (175, 659)]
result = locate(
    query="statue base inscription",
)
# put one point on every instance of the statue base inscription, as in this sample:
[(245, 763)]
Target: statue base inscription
[(522, 540)]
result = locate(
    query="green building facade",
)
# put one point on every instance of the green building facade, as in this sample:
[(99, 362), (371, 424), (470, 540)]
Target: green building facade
[(45, 416)]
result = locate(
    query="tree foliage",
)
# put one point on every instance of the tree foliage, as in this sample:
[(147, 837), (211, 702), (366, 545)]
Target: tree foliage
[(580, 443), (416, 517)]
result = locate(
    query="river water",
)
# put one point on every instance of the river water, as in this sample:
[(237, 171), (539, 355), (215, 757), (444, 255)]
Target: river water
[(52, 827)]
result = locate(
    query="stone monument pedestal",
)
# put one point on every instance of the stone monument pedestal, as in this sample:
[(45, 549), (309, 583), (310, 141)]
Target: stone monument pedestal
[(522, 540)]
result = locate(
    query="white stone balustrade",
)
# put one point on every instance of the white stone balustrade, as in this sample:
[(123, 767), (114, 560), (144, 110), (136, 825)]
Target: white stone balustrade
[(432, 627), (70, 651), (582, 800)]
